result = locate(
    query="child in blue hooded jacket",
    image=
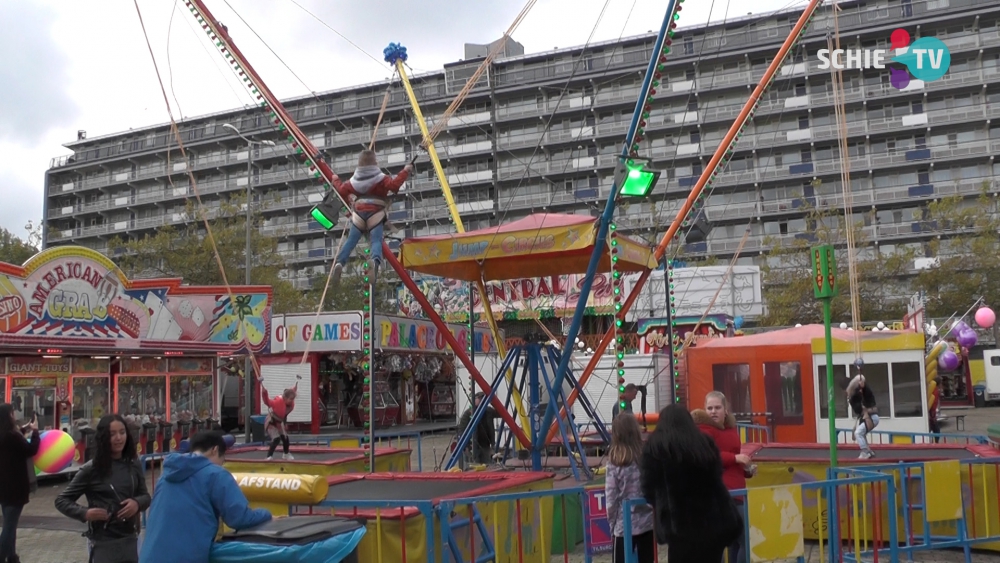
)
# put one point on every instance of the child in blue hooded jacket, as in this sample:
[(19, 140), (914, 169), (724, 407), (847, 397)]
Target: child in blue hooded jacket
[(191, 496)]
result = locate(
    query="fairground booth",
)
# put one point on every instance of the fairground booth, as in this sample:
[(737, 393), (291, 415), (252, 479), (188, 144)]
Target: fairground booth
[(778, 379), (79, 340), (414, 368)]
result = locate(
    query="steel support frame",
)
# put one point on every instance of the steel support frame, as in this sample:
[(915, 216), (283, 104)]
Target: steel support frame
[(719, 158), (321, 171)]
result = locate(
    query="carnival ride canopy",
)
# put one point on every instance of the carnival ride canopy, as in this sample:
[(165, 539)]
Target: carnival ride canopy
[(540, 245)]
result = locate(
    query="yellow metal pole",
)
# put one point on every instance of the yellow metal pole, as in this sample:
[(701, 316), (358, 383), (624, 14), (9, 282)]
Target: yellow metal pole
[(487, 309)]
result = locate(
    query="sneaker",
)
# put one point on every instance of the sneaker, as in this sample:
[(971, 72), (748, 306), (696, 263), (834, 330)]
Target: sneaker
[(871, 454), (863, 455), (268, 458), (338, 268), (288, 457)]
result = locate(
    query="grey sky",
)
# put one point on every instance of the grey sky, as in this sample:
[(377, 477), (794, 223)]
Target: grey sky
[(85, 65)]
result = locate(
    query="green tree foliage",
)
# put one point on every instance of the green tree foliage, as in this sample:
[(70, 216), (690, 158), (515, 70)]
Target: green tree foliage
[(348, 295), (968, 263), (788, 287), (13, 250), (186, 252)]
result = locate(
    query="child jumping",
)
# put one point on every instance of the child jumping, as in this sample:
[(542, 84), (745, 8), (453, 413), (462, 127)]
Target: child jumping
[(368, 191), (622, 483), (278, 410)]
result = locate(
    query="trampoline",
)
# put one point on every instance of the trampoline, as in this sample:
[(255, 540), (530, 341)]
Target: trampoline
[(316, 460), (848, 453), (302, 456)]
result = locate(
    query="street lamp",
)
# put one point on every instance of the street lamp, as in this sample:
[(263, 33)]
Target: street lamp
[(247, 381)]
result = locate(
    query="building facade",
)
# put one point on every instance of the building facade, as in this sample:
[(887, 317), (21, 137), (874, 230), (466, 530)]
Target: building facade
[(542, 131)]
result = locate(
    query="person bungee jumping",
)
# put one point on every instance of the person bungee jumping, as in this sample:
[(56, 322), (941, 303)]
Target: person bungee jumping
[(367, 191), (278, 410), (865, 408)]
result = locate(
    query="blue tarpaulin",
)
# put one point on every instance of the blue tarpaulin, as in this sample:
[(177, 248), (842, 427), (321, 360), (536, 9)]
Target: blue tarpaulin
[(331, 550)]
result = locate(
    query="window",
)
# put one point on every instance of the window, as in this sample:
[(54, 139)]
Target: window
[(803, 122), (783, 391), (734, 381), (839, 386), (695, 137), (906, 383), (877, 379)]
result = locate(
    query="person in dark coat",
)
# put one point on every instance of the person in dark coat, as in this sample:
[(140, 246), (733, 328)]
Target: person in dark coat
[(483, 438), (15, 451), (681, 477), (115, 487)]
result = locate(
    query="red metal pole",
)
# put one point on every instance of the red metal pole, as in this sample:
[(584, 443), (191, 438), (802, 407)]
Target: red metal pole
[(723, 152), (321, 170)]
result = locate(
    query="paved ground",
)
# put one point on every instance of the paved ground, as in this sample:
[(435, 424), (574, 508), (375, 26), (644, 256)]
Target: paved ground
[(45, 536)]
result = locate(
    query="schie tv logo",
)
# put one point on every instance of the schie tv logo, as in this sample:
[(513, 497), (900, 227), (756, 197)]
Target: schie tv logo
[(927, 59)]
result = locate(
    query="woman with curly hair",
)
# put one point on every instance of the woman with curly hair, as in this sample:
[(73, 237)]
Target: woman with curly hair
[(115, 488), (681, 477)]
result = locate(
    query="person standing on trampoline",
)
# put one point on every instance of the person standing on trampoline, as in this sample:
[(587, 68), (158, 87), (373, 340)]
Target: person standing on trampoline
[(278, 410), (862, 401)]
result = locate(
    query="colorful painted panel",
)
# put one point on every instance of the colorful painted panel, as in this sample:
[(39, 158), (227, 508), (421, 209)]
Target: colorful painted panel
[(775, 523), (80, 297), (943, 486)]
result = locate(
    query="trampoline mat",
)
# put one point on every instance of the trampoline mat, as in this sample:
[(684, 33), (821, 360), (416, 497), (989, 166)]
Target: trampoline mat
[(260, 455), (404, 489), (893, 454)]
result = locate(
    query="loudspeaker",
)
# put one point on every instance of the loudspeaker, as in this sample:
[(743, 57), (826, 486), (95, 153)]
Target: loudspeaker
[(698, 228)]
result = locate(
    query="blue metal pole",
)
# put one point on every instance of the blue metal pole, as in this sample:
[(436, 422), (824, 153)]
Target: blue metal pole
[(605, 220), (533, 400)]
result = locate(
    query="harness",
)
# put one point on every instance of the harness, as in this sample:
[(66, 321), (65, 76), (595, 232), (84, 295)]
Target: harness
[(366, 225)]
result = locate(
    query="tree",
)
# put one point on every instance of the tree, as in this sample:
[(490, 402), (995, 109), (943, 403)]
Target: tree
[(967, 265), (186, 252), (788, 286), (348, 295), (13, 250)]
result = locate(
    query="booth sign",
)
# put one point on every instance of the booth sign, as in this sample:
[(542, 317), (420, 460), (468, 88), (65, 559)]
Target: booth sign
[(73, 296)]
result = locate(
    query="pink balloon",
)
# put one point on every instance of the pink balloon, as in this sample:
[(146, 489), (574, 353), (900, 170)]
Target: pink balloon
[(948, 361), (985, 317)]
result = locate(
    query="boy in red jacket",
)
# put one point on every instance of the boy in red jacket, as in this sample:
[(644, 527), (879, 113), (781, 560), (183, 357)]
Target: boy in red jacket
[(278, 410), (367, 191)]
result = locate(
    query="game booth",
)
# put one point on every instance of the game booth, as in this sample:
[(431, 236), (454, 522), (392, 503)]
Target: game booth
[(414, 368), (779, 378), (80, 340)]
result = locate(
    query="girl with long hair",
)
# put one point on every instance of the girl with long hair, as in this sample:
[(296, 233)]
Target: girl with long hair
[(719, 424), (621, 483), (15, 451), (681, 477), (116, 493), (278, 409)]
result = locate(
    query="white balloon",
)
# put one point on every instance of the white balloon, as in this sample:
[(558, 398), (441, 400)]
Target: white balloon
[(580, 343), (798, 326), (880, 325), (843, 326)]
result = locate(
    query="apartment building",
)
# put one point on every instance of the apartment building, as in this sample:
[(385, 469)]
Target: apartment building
[(542, 131)]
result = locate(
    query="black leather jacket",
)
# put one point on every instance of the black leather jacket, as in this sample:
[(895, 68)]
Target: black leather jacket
[(106, 493)]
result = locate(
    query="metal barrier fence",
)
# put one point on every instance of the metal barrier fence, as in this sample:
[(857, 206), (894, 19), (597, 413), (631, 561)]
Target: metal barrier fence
[(881, 437), (753, 433), (504, 528), (883, 512)]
